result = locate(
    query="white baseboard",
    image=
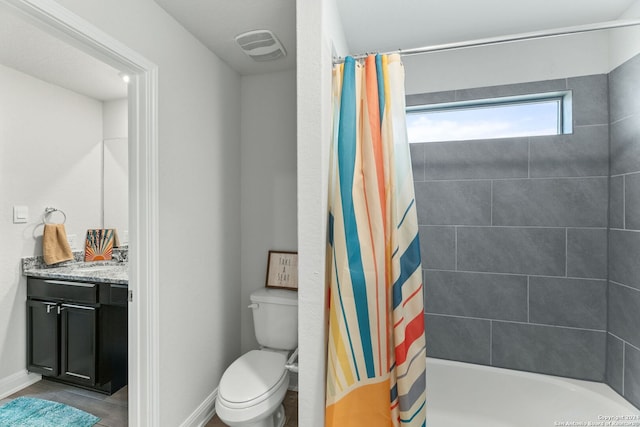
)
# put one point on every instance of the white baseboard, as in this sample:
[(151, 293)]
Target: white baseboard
[(203, 413), (17, 382)]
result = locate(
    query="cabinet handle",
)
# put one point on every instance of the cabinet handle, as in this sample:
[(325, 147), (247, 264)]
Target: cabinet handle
[(50, 307), (59, 282), (73, 374), (81, 307)]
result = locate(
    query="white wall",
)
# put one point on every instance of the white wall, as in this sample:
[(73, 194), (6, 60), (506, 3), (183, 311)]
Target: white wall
[(625, 42), (115, 120), (50, 155), (199, 185), (333, 32), (268, 189), (518, 62), (319, 33)]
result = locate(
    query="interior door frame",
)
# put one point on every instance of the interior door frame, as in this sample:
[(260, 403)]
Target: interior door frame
[(143, 192)]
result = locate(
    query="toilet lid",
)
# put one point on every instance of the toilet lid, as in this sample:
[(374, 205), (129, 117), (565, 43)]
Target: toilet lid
[(252, 375)]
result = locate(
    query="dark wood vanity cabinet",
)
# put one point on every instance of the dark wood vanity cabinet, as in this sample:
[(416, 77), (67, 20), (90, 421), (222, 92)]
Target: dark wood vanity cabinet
[(43, 337), (62, 340), (77, 332)]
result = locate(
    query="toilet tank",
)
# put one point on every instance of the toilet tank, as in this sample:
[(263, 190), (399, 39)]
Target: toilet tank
[(275, 317)]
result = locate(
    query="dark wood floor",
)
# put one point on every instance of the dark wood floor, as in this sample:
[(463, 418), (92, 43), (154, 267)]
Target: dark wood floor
[(290, 412), (112, 410)]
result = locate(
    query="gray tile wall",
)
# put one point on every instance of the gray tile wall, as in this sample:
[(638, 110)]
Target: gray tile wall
[(514, 240), (623, 340)]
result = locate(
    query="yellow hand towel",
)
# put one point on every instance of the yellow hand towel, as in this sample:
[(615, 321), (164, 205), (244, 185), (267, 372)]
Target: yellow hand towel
[(55, 247)]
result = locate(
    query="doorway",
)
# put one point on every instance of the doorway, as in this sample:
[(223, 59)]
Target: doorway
[(142, 187)]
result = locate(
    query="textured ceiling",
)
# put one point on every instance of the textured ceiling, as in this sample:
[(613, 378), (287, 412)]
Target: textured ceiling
[(381, 25), (385, 25), (32, 51), (370, 26), (216, 23)]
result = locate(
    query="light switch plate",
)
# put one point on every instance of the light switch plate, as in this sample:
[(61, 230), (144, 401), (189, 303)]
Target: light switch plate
[(20, 214)]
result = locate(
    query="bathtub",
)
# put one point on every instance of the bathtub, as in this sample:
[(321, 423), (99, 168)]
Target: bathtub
[(468, 395)]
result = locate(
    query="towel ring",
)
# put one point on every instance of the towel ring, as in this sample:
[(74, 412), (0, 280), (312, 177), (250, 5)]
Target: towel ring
[(49, 211)]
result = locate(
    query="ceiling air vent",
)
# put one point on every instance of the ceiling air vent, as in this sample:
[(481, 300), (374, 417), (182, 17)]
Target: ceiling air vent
[(261, 45)]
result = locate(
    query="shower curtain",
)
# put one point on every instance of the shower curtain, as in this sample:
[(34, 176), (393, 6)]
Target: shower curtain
[(376, 344)]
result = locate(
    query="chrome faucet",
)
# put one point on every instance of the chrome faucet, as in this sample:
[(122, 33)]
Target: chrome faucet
[(119, 257)]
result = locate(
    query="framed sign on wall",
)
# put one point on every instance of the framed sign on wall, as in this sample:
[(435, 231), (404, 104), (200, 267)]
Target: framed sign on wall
[(282, 270)]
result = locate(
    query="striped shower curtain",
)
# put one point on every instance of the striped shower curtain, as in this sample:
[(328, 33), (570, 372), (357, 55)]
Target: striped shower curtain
[(376, 344)]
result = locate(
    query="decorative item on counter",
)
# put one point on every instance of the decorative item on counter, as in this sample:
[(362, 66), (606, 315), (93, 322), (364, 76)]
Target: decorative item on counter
[(99, 244), (55, 246)]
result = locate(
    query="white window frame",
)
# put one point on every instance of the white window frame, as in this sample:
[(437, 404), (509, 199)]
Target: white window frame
[(564, 99)]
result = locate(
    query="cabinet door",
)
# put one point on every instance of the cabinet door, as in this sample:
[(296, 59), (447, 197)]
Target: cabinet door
[(43, 338), (78, 340)]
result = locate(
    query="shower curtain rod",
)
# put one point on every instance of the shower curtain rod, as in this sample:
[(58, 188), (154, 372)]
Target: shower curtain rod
[(507, 39)]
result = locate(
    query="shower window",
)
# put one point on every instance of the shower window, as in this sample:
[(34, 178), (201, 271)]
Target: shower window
[(530, 115)]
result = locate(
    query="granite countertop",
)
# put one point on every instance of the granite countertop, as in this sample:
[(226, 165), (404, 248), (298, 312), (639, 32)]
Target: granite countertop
[(78, 270)]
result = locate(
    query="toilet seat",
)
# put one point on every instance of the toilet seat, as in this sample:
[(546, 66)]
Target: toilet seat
[(252, 379)]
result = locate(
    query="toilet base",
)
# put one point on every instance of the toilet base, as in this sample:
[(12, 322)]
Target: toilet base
[(277, 419)]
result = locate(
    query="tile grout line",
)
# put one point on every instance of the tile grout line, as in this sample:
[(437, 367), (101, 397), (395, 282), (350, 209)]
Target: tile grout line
[(516, 178), (529, 158), (491, 342), (424, 163), (545, 227), (566, 252), (622, 118), (528, 298), (624, 286), (528, 274), (455, 248), (630, 230), (491, 204), (591, 125), (624, 347), (624, 200), (516, 322), (623, 341), (618, 175)]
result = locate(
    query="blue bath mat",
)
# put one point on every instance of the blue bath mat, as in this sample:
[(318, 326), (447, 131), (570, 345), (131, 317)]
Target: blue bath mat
[(30, 412)]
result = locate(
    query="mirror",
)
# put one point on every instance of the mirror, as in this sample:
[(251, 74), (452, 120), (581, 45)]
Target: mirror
[(116, 183), (115, 158)]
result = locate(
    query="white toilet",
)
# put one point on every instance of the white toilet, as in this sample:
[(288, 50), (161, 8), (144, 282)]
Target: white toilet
[(252, 389)]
